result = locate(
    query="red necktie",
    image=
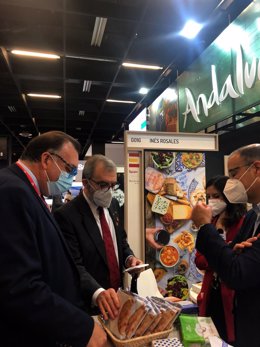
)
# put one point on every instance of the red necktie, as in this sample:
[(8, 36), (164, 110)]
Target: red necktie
[(110, 251)]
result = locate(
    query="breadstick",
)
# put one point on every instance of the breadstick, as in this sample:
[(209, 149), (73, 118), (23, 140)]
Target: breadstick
[(133, 321), (147, 321), (124, 316)]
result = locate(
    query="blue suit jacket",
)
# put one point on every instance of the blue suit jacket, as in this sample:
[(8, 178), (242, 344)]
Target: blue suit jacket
[(80, 229), (241, 272), (39, 283)]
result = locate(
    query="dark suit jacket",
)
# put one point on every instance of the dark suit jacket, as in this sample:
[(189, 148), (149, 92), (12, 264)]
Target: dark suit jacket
[(80, 229), (39, 283), (241, 272)]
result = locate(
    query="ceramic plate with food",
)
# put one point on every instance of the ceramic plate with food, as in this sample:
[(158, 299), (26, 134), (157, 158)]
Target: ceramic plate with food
[(178, 286), (169, 256), (185, 240), (170, 224), (191, 160), (162, 160), (198, 195), (159, 273)]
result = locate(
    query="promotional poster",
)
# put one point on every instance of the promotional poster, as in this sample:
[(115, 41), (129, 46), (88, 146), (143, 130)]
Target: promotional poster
[(174, 183)]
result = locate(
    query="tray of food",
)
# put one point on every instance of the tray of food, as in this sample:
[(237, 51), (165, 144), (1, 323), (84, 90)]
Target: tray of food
[(140, 320)]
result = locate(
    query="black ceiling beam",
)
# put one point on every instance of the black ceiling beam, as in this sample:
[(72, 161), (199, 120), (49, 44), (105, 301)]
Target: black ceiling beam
[(136, 29), (72, 81), (21, 95)]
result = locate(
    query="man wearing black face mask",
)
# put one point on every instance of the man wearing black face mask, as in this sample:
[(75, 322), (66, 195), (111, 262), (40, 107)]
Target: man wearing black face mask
[(93, 227), (240, 271)]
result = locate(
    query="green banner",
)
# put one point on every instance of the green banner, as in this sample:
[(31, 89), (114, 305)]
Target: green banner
[(225, 79)]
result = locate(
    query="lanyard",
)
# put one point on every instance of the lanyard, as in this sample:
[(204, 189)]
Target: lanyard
[(32, 183)]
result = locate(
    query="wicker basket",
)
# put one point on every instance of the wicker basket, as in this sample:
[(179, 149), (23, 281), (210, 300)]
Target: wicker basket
[(135, 341)]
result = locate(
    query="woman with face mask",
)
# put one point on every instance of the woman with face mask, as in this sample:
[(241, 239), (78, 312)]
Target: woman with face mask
[(215, 298)]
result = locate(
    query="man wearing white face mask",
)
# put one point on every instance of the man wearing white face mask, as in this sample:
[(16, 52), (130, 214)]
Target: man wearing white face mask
[(240, 271), (93, 227)]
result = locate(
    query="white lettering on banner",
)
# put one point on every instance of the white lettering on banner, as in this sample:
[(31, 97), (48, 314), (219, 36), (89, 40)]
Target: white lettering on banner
[(245, 76)]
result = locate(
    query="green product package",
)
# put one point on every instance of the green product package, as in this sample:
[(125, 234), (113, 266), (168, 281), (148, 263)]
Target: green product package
[(191, 331)]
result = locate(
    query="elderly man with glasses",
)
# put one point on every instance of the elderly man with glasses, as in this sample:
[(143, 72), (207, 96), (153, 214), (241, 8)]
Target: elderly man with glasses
[(241, 271), (94, 229), (41, 302)]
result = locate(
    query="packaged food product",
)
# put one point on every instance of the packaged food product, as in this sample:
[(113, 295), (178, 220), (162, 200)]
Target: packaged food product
[(196, 330), (132, 312)]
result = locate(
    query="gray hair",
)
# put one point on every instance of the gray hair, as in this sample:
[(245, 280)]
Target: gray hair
[(249, 153), (92, 162)]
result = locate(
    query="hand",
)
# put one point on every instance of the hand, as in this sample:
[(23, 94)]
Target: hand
[(149, 235), (245, 244), (98, 337), (201, 214), (133, 261), (108, 303)]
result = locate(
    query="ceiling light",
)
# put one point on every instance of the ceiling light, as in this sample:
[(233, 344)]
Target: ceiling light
[(121, 101), (44, 96), (142, 66), (11, 108), (81, 113), (35, 54), (86, 86), (98, 32), (25, 134), (191, 29), (143, 90)]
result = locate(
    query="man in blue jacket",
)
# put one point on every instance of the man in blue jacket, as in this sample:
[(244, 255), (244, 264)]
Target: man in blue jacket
[(40, 299), (240, 271)]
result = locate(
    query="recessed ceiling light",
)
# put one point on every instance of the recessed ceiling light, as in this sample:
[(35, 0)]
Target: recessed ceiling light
[(44, 96), (121, 101), (11, 108), (98, 31), (143, 90), (86, 86), (35, 54), (25, 134), (142, 66), (191, 29)]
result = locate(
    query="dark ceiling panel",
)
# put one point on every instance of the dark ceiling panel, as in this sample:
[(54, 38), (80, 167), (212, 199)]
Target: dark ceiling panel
[(140, 31)]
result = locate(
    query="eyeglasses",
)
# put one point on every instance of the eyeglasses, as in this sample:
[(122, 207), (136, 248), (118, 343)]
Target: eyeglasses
[(71, 169), (233, 172), (106, 186)]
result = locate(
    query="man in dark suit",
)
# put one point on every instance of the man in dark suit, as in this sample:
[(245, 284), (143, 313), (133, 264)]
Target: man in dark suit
[(40, 298), (240, 271), (82, 226)]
